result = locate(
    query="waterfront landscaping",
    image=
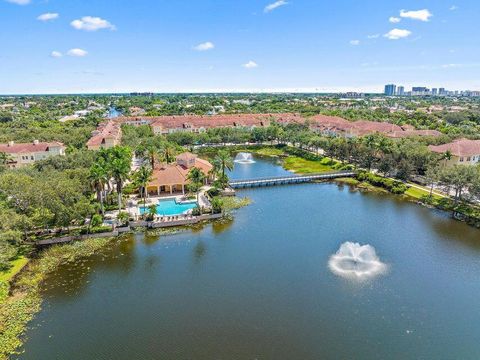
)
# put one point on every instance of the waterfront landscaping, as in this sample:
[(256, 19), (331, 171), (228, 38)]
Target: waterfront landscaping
[(87, 192), (25, 300), (269, 249)]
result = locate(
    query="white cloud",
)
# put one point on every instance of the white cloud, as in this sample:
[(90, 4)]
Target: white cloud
[(452, 66), (250, 65), (90, 23), (56, 54), (274, 5), (396, 34), (204, 46), (373, 36), (422, 15), (48, 16), (77, 52), (453, 8), (19, 2), (354, 42), (394, 20)]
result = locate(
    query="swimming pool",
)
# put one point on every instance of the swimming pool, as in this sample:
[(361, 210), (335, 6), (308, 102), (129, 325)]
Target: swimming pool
[(170, 207)]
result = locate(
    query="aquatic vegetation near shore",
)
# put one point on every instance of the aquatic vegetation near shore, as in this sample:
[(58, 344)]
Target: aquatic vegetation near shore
[(25, 300), (234, 202)]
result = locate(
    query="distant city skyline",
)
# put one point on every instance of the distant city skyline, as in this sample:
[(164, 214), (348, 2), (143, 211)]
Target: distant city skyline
[(51, 47), (399, 90)]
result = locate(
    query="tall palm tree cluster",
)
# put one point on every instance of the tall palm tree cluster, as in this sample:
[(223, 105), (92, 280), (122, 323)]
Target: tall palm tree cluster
[(112, 166), (222, 162), (157, 149)]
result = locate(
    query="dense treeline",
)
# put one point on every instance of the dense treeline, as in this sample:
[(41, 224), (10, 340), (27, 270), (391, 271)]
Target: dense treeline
[(59, 193), (28, 117), (64, 192)]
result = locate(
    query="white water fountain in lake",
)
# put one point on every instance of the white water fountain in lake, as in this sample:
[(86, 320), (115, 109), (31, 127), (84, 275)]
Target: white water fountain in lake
[(244, 158), (356, 262)]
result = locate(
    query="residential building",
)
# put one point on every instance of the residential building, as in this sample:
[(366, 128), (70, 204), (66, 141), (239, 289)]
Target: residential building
[(463, 151), (172, 178), (107, 135), (420, 91), (390, 89), (22, 154), (200, 123), (323, 124)]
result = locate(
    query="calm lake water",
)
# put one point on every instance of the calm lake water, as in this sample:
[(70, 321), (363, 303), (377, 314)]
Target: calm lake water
[(259, 287)]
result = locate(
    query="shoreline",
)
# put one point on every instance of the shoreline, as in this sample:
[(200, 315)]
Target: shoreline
[(23, 300)]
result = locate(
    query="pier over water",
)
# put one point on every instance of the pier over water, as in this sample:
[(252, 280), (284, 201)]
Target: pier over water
[(289, 179)]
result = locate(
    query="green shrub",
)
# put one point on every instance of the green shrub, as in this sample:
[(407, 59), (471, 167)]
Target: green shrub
[(394, 186), (213, 192), (96, 220), (303, 154), (217, 205), (100, 229), (95, 230)]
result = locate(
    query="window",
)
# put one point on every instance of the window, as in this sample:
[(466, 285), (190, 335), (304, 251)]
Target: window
[(461, 159), (468, 158)]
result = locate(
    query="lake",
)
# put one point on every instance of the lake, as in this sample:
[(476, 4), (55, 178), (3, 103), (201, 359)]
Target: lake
[(259, 286)]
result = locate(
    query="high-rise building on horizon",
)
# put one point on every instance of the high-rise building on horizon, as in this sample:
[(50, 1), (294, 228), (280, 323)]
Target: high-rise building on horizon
[(390, 89), (434, 91), (420, 91), (401, 91)]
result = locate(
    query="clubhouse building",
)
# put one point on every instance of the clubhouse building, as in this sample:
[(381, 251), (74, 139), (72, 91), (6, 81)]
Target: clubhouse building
[(172, 178)]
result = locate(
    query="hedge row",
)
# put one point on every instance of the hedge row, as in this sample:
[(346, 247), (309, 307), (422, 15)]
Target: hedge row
[(394, 186)]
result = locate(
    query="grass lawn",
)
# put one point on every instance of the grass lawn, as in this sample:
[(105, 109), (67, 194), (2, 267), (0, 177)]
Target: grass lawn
[(17, 265), (417, 193), (269, 151), (302, 166)]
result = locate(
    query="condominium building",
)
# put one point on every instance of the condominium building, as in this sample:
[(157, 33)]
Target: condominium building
[(22, 154), (107, 135), (462, 151)]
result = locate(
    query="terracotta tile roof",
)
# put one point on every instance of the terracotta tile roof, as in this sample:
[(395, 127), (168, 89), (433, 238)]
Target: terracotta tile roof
[(318, 122), (28, 147), (186, 156), (172, 174), (460, 147), (167, 175), (105, 130), (210, 121), (407, 133)]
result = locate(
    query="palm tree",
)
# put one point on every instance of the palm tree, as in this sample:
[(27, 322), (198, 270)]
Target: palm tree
[(98, 177), (196, 178), (223, 161), (120, 169), (142, 177), (168, 152), (446, 156)]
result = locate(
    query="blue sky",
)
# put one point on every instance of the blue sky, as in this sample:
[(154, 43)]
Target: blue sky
[(236, 45)]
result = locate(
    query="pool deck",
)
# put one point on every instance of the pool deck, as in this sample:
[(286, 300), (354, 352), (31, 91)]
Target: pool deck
[(134, 204)]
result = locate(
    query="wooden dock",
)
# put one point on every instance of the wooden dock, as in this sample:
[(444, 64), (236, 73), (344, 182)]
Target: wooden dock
[(289, 179)]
